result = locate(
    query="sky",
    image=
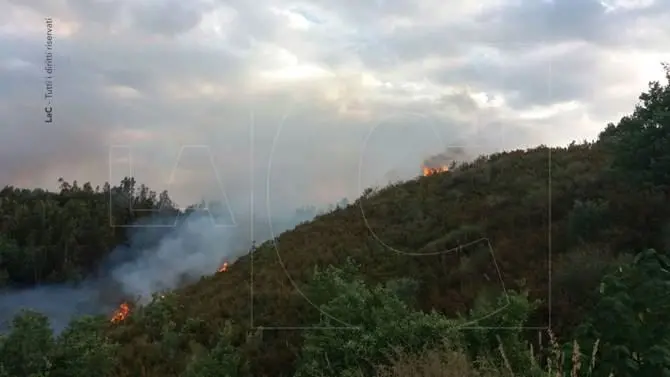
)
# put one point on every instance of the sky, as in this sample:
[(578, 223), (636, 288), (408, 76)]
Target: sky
[(307, 102)]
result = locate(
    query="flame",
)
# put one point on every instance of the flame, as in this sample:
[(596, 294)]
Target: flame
[(430, 171), (223, 268), (121, 313)]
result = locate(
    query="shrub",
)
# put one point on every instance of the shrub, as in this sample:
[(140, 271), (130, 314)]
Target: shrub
[(587, 220), (25, 350), (632, 319), (498, 322), (222, 361), (378, 320)]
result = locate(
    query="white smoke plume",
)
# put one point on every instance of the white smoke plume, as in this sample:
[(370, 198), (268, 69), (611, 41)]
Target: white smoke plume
[(195, 248)]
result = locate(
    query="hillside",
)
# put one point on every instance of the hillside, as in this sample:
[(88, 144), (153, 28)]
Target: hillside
[(502, 202), (552, 221)]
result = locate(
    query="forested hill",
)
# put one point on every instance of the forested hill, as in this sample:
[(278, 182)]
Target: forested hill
[(69, 235), (54, 237), (560, 236)]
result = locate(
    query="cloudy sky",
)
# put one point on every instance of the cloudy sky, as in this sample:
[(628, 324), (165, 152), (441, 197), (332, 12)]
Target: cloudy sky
[(300, 98)]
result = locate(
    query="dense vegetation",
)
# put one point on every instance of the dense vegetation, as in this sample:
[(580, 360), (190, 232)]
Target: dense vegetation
[(455, 274)]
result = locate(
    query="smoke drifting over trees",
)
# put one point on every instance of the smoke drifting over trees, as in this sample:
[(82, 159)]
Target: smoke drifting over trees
[(446, 158), (160, 251)]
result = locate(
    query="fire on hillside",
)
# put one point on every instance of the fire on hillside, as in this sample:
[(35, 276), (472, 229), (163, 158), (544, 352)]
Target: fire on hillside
[(124, 310), (443, 162), (433, 170), (121, 313)]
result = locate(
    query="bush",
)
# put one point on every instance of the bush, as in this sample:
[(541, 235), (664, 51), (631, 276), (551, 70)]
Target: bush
[(587, 220), (24, 352), (496, 323), (373, 322), (578, 272), (222, 361), (79, 351), (631, 320), (436, 362), (640, 143), (82, 350)]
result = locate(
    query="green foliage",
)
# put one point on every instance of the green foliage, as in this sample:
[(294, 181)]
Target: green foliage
[(632, 319), (10, 255), (577, 273), (25, 351), (587, 219), (640, 142), (496, 322), (82, 350), (361, 326), (48, 237), (405, 289), (158, 316), (222, 361)]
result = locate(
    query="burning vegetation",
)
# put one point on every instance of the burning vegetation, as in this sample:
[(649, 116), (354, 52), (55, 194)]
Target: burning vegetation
[(123, 310), (121, 313), (435, 170), (443, 162)]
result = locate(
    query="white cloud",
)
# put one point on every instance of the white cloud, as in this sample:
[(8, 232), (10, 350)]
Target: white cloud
[(317, 76)]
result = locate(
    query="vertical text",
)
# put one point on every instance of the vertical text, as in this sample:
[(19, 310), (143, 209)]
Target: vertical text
[(49, 70)]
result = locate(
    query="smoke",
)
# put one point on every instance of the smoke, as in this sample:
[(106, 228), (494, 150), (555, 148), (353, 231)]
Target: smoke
[(59, 303), (153, 260), (446, 158), (192, 250)]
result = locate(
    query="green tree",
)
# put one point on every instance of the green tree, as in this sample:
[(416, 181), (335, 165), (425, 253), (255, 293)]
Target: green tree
[(379, 322), (587, 219), (497, 322), (222, 361), (640, 142), (25, 351), (82, 350), (632, 320)]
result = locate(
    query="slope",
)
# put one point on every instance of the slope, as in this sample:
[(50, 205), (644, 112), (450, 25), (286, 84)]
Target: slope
[(520, 203)]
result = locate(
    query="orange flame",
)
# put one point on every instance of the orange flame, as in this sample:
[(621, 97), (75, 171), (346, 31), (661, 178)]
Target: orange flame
[(223, 268), (430, 171), (121, 313)]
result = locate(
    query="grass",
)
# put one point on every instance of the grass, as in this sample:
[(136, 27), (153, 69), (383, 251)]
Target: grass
[(446, 361)]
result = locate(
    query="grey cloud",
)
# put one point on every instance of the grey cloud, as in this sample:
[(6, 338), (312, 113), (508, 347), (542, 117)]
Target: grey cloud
[(103, 13), (516, 28), (550, 21), (544, 22), (86, 113), (28, 145), (359, 13), (318, 149), (169, 17), (539, 81)]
